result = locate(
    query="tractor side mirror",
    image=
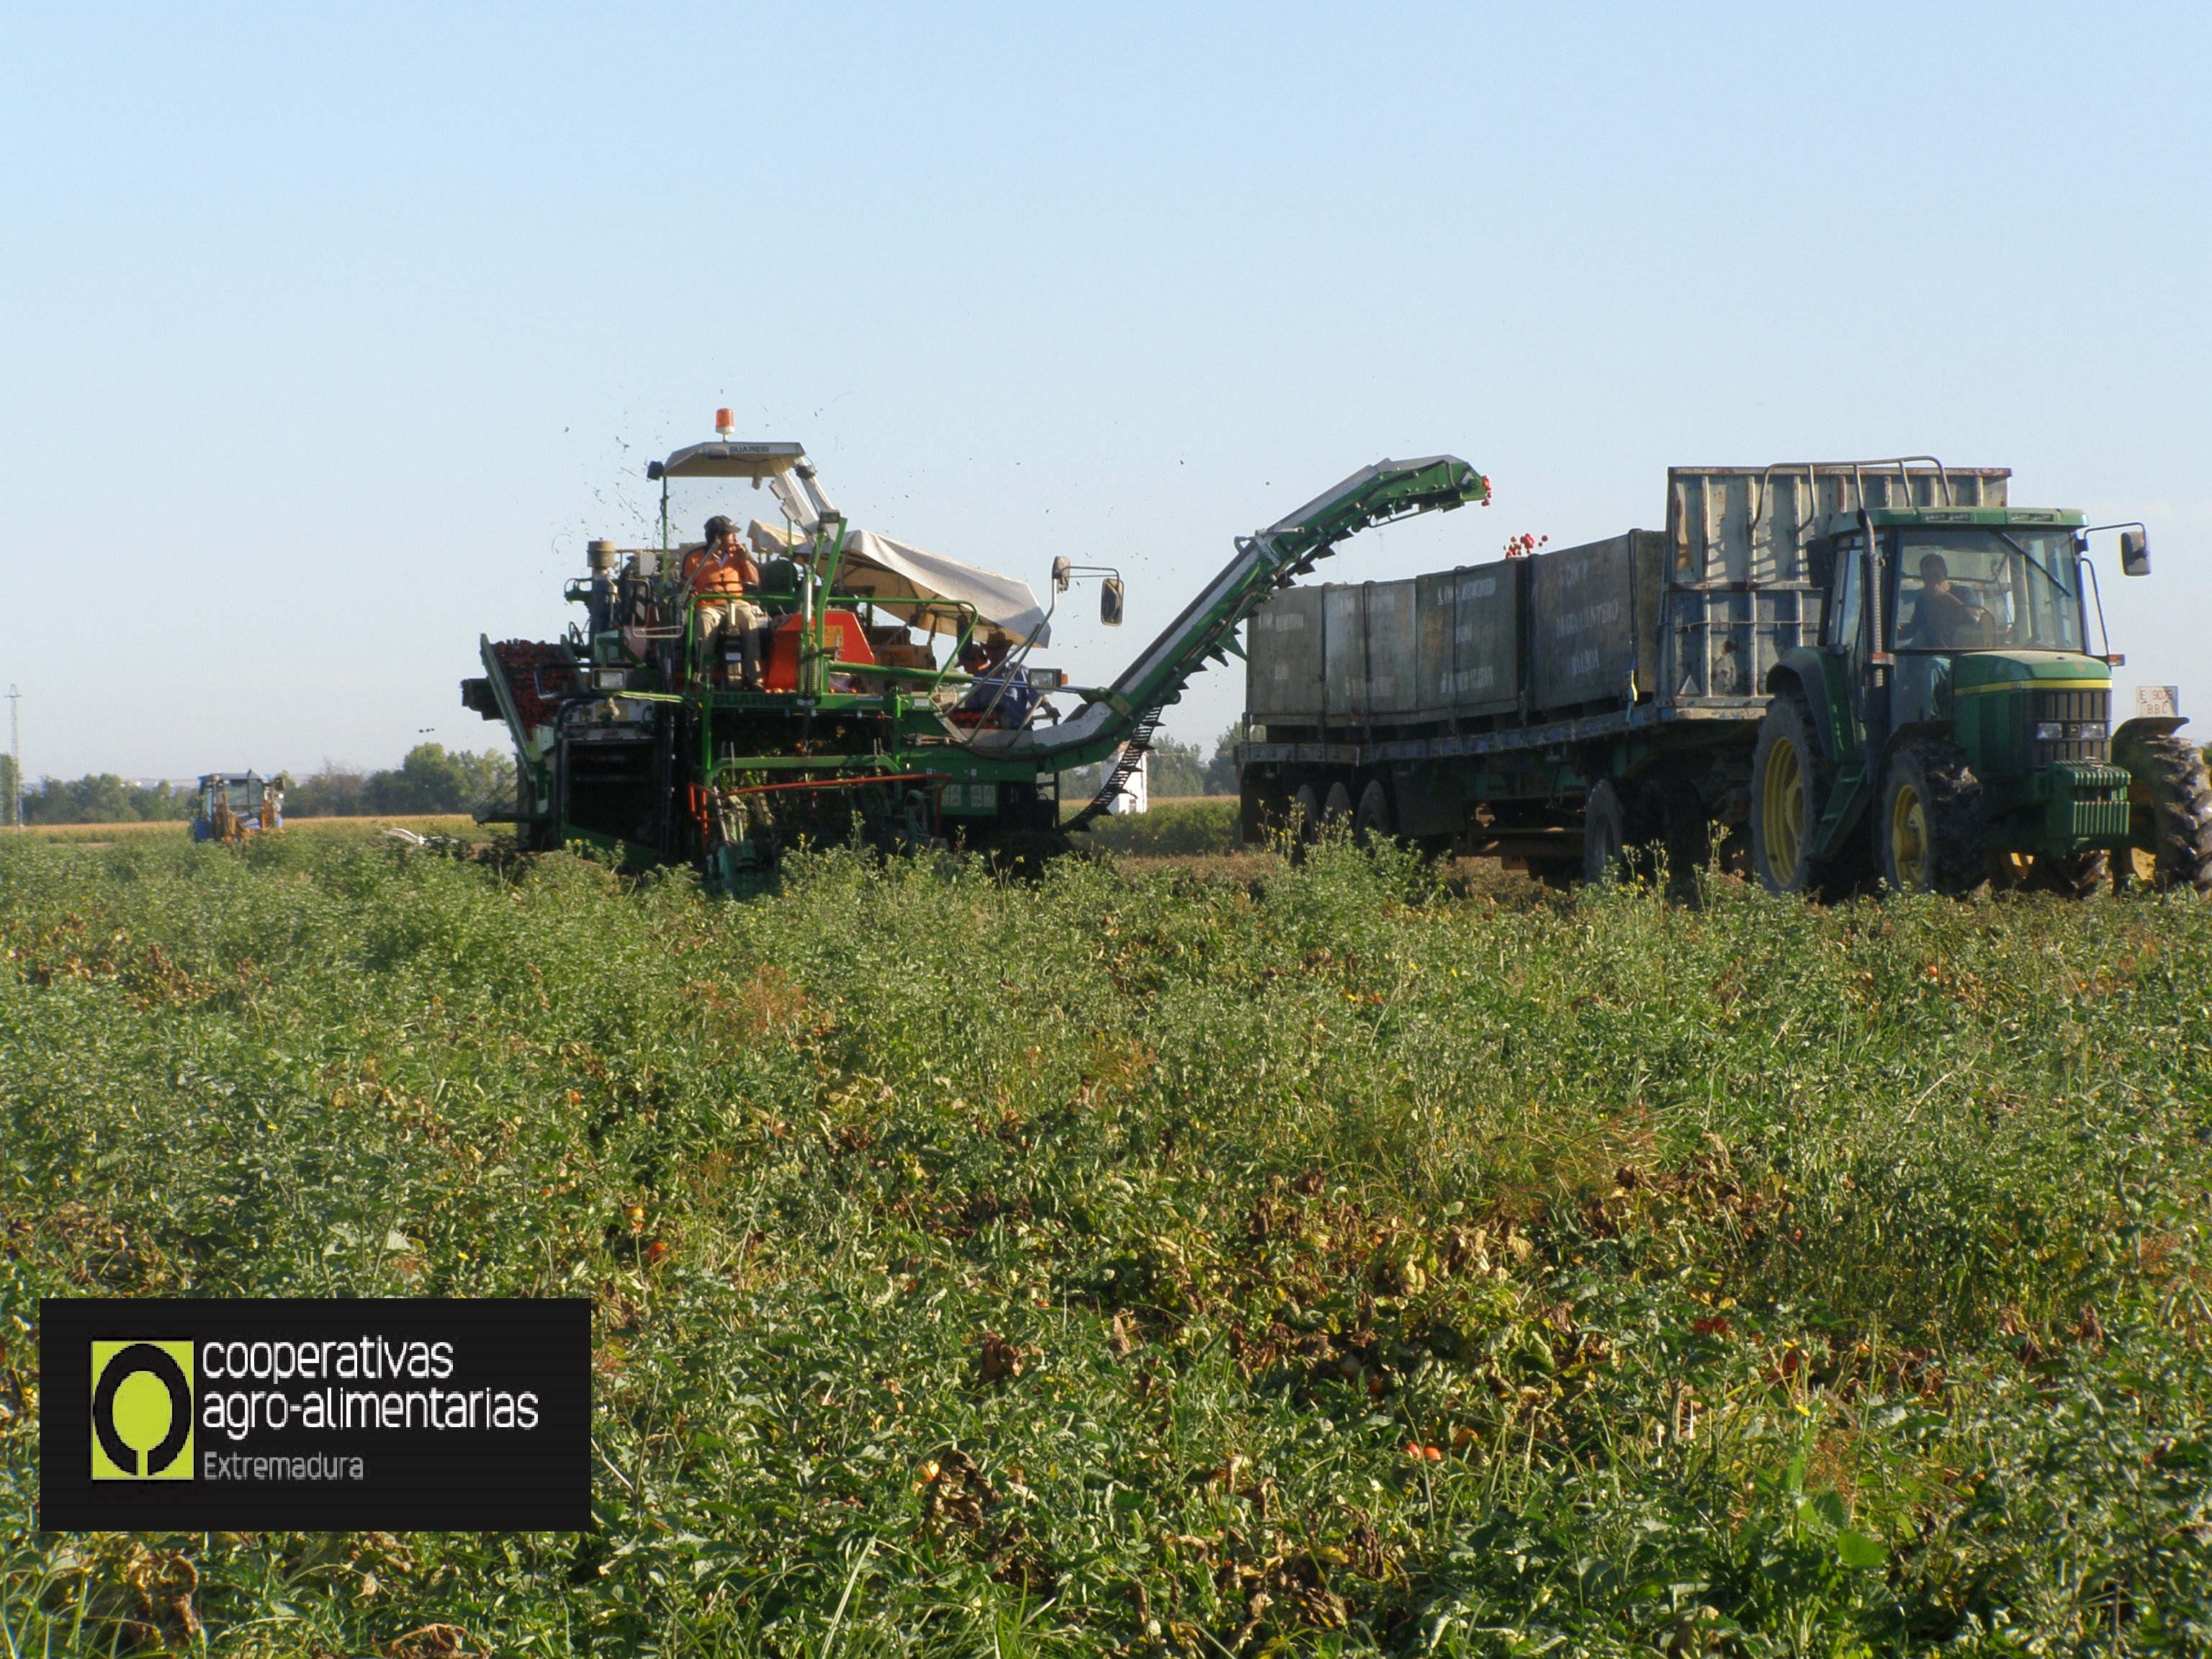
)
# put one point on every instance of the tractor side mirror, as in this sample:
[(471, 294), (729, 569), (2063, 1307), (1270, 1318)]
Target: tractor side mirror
[(1061, 569), (1109, 601), (2134, 552)]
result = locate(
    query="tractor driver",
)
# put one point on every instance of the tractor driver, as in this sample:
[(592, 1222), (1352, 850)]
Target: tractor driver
[(1944, 619), (716, 577)]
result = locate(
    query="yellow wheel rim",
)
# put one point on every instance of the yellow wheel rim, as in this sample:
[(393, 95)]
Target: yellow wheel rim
[(1785, 811), (1908, 838)]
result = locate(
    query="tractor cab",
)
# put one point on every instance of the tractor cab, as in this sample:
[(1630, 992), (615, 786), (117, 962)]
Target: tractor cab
[(1988, 588), (1972, 604), (235, 804)]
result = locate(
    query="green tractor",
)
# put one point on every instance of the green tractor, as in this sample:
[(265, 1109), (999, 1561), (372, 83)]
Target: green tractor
[(1952, 725)]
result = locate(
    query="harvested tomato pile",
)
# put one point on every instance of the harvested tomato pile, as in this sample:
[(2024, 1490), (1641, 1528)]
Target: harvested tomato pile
[(541, 676)]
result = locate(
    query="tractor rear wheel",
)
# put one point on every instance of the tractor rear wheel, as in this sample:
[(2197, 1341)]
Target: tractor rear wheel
[(1789, 783), (1930, 825), (1370, 824), (2172, 799)]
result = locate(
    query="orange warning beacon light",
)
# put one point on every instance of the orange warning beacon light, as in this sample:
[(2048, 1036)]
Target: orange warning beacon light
[(723, 423)]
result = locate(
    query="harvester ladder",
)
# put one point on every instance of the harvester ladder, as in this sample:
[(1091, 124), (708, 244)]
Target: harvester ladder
[(1124, 768)]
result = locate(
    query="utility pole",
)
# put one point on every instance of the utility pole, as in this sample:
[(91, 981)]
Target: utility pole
[(15, 757)]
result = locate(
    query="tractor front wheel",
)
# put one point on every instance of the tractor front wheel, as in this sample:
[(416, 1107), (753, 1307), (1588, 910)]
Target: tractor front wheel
[(2171, 809), (1929, 826), (2070, 875)]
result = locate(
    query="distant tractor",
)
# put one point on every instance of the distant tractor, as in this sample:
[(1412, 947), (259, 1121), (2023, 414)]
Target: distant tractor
[(235, 804)]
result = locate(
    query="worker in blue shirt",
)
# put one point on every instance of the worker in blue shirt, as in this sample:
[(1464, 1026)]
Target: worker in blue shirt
[(1001, 688)]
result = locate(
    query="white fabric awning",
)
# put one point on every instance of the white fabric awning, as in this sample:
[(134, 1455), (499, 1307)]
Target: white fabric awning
[(772, 540), (876, 567), (883, 568)]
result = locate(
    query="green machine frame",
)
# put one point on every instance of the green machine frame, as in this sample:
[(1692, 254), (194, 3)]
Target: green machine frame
[(865, 747)]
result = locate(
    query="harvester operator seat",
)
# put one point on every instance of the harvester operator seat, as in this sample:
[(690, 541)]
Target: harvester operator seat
[(780, 567)]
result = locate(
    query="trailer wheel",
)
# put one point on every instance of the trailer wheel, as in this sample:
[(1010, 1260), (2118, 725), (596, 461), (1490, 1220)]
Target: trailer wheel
[(1684, 829), (1370, 824), (1790, 782), (1733, 854), (1336, 807), (1260, 811), (2172, 800), (1605, 836), (1929, 829), (1306, 820)]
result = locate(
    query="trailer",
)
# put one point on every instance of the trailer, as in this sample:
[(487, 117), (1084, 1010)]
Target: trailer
[(637, 734), (1823, 674)]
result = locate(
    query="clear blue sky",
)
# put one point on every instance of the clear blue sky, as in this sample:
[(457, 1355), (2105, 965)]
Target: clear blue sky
[(330, 334)]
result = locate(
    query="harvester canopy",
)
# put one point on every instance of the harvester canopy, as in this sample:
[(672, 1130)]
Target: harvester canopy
[(955, 596), (729, 458), (881, 568), (875, 567)]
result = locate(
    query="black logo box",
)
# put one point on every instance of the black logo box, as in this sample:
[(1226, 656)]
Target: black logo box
[(418, 1479)]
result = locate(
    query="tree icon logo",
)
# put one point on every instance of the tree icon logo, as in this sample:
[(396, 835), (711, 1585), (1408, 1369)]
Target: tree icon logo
[(141, 1411)]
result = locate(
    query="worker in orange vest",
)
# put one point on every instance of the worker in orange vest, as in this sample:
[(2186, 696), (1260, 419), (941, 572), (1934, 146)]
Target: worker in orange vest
[(717, 577)]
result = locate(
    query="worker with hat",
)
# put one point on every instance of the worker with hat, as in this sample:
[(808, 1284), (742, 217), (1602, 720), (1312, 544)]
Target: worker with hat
[(716, 579)]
